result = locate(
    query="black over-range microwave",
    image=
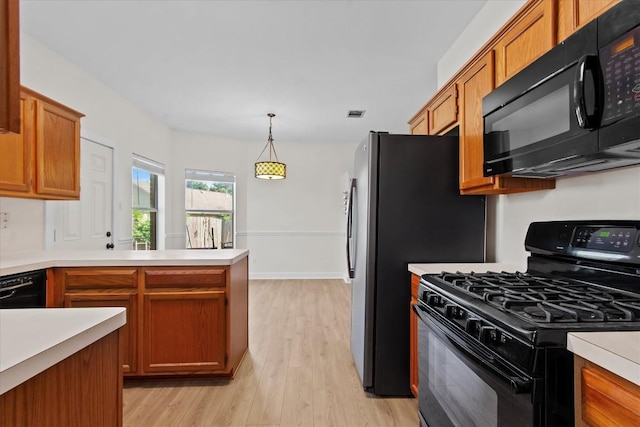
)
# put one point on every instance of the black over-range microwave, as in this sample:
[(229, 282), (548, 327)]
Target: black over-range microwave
[(576, 109)]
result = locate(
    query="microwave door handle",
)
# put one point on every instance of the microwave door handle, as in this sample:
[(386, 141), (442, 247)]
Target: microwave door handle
[(586, 63)]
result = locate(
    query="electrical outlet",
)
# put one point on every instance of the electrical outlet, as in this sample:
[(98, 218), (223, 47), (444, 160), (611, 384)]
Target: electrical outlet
[(4, 220)]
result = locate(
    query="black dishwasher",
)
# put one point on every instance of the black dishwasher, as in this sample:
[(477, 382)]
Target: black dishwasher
[(23, 290)]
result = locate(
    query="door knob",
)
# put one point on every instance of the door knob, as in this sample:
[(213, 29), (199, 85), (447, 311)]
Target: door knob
[(110, 245), (108, 234)]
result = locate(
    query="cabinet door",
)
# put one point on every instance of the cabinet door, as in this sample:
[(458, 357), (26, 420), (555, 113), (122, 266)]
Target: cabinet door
[(413, 339), (603, 398), (473, 85), (17, 152), (526, 41), (419, 124), (184, 331), (57, 151), (128, 333), (9, 67), (443, 113), (573, 14)]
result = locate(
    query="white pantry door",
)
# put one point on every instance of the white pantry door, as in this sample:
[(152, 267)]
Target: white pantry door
[(87, 223)]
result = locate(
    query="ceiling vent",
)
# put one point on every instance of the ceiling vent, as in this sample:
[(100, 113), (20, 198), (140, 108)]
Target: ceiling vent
[(355, 114)]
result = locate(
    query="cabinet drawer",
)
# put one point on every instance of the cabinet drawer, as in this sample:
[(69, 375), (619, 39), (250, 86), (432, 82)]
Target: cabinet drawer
[(182, 277), (98, 278)]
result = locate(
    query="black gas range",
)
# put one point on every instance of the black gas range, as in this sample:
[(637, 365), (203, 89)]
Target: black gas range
[(492, 346)]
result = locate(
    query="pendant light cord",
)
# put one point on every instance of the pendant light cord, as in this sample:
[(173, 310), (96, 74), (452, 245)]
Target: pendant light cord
[(269, 144)]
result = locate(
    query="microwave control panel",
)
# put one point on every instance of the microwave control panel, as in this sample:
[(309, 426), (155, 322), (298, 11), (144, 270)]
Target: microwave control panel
[(620, 62)]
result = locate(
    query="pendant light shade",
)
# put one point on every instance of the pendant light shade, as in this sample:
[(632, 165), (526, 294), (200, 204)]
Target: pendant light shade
[(272, 168)]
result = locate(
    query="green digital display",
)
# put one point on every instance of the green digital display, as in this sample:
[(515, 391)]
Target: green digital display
[(604, 234)]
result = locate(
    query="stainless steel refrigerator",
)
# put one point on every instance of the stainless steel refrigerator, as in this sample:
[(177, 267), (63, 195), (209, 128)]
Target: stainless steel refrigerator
[(404, 207)]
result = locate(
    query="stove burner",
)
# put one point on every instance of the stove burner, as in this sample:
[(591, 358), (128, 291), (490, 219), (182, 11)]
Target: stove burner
[(546, 299), (539, 313)]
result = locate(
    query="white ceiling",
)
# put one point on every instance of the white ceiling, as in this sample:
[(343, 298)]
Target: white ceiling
[(220, 66)]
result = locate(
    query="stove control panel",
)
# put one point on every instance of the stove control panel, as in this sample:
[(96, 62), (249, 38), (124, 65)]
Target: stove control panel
[(475, 327), (615, 239), (615, 242)]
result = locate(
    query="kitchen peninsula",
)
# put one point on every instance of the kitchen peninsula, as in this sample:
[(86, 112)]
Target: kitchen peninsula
[(186, 309)]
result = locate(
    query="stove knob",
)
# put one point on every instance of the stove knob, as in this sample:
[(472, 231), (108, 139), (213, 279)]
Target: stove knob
[(450, 310), (433, 300), (473, 326), (488, 334)]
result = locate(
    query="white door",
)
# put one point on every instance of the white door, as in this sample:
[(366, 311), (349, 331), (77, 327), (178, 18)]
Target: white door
[(86, 223)]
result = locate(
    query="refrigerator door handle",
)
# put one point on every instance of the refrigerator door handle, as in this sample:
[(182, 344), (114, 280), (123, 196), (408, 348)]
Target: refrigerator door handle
[(350, 237)]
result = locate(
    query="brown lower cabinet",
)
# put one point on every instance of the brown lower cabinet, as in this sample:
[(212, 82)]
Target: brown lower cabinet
[(413, 340), (185, 331), (127, 332), (84, 389), (180, 320), (603, 398)]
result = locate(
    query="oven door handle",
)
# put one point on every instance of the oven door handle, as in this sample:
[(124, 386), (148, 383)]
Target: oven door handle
[(518, 383)]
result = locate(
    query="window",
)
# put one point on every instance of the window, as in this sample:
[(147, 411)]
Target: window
[(210, 200), (147, 179)]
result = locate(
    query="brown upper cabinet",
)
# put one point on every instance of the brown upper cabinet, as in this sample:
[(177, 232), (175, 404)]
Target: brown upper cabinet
[(419, 124), (443, 111), (473, 85), (573, 14), (530, 33), (526, 40), (9, 67), (43, 160)]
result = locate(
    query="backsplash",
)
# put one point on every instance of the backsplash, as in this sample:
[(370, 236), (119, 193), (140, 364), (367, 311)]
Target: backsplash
[(604, 195), (25, 227)]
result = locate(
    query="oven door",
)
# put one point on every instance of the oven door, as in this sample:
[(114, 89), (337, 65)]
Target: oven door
[(461, 384)]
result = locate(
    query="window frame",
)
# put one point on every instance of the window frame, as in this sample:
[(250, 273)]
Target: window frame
[(156, 174), (211, 177)]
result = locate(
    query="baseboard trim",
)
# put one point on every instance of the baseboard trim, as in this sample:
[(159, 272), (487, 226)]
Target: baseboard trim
[(305, 275)]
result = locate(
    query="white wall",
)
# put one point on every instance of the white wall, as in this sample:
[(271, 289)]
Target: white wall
[(611, 194), (294, 227), (604, 195), (110, 120)]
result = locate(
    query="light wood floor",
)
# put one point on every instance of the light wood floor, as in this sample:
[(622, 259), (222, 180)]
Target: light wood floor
[(298, 371)]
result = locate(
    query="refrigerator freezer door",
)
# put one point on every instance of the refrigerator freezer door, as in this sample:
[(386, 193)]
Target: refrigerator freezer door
[(361, 334)]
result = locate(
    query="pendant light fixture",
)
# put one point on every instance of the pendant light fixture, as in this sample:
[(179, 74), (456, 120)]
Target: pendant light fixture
[(270, 169)]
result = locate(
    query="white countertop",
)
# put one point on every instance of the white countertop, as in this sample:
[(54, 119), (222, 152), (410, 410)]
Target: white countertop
[(34, 339), (18, 263), (434, 268), (618, 352)]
